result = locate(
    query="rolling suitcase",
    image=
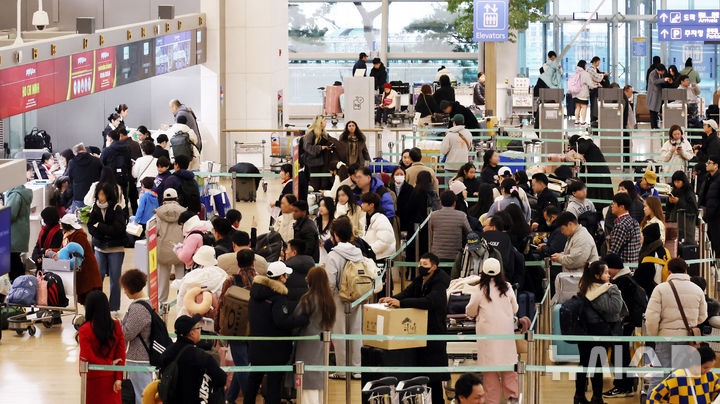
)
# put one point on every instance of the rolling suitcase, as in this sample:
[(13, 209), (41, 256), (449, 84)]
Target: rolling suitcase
[(685, 249), (526, 305), (561, 351), (566, 286)]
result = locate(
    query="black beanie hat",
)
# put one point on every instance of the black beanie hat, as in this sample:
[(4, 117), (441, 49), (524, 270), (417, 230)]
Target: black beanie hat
[(614, 261)]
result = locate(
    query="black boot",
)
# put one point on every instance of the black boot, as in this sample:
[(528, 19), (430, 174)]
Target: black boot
[(580, 400), (596, 400)]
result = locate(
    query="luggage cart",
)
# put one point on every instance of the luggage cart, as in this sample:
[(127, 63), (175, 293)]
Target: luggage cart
[(50, 315)]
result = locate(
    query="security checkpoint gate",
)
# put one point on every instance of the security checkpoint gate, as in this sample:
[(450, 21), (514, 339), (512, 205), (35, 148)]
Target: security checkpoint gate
[(550, 114), (674, 109), (610, 116)]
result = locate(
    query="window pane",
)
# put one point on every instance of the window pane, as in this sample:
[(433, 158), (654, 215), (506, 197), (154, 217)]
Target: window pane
[(422, 71), (307, 76), (424, 27), (334, 27), (703, 60)]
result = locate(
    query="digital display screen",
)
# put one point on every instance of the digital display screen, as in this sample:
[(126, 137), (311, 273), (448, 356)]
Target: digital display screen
[(200, 46), (81, 75), (135, 61), (173, 52), (104, 69), (32, 86)]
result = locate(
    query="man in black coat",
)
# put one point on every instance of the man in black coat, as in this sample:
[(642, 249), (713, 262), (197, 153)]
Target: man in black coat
[(494, 234), (556, 239), (634, 297), (306, 230), (710, 201), (192, 385), (300, 265), (83, 170), (653, 66), (427, 292), (455, 108), (379, 73), (270, 316), (361, 64), (545, 198)]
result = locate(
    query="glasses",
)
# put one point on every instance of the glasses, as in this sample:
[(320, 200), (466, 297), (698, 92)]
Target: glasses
[(196, 328)]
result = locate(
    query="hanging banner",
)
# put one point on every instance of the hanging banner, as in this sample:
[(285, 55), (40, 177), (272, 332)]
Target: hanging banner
[(104, 69), (296, 165), (151, 232), (81, 74)]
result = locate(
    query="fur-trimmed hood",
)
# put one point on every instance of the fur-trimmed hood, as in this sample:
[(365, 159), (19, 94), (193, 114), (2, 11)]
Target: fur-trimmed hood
[(264, 288)]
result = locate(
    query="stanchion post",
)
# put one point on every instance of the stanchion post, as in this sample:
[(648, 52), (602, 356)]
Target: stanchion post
[(348, 354), (415, 136), (83, 381), (232, 187), (520, 370), (388, 277), (417, 245), (531, 360), (299, 372), (325, 336), (378, 144)]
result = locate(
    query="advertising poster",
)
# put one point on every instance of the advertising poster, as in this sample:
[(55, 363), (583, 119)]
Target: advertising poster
[(296, 164), (32, 86), (173, 52), (81, 74), (104, 69), (152, 262)]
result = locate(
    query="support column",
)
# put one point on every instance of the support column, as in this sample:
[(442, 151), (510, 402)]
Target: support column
[(614, 45), (384, 31), (664, 45), (556, 28), (490, 77)]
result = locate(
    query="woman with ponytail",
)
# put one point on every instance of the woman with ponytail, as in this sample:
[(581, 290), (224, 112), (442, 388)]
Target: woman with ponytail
[(456, 144), (122, 110), (510, 195)]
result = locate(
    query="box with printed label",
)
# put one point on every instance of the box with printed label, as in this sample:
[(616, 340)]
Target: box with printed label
[(378, 319)]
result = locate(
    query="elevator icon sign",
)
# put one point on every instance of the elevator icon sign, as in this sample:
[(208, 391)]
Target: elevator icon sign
[(490, 22)]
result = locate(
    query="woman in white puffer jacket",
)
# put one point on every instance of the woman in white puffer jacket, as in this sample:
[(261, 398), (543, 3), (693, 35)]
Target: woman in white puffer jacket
[(379, 232)]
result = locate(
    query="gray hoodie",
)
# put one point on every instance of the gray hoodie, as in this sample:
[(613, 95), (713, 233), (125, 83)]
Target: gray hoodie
[(455, 147), (579, 249), (336, 260), (577, 208)]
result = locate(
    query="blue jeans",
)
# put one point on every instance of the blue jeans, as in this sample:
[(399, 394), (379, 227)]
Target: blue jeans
[(76, 205), (139, 380), (110, 264), (238, 349)]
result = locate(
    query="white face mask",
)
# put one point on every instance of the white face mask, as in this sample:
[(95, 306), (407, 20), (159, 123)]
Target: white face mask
[(102, 205), (399, 179)]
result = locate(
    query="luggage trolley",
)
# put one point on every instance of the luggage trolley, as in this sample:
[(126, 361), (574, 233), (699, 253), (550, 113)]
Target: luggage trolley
[(49, 315)]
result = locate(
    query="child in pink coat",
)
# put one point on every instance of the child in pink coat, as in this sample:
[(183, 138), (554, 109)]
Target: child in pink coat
[(193, 229), (493, 305)]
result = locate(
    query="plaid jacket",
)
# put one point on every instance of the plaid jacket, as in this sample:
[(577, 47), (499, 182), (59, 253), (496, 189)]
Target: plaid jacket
[(676, 389), (625, 239)]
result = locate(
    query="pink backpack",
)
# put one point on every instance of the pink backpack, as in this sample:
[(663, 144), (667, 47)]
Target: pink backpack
[(575, 83)]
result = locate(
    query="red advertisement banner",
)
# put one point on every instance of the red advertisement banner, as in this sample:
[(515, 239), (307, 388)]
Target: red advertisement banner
[(152, 262), (32, 86), (81, 75), (105, 68)]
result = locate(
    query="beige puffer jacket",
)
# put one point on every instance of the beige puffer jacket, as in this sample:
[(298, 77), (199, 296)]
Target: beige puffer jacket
[(662, 316)]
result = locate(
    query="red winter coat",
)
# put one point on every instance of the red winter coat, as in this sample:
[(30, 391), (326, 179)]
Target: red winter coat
[(100, 383)]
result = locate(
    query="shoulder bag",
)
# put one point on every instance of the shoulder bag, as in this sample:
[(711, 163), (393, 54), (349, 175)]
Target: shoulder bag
[(692, 331)]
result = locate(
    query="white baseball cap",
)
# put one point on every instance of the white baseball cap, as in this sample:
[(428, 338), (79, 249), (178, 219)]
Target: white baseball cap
[(491, 267), (504, 171), (71, 219), (277, 269), (711, 123), (457, 187)]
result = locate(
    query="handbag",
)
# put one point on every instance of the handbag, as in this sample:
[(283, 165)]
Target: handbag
[(692, 331)]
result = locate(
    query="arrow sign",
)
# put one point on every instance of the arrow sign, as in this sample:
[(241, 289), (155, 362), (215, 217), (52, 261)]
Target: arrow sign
[(663, 17), (664, 33)]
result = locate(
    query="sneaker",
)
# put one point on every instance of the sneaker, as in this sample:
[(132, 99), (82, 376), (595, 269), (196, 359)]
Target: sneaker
[(616, 393), (356, 376), (337, 376)]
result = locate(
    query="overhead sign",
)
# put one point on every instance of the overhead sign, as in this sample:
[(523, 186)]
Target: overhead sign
[(490, 20), (688, 25), (151, 228), (639, 47)]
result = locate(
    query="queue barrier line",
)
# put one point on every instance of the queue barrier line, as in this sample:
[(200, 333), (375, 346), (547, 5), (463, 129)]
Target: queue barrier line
[(431, 337), (542, 303), (321, 368), (595, 369)]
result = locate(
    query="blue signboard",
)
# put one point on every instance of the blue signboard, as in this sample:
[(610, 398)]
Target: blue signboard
[(639, 47), (4, 240), (490, 20), (688, 25)]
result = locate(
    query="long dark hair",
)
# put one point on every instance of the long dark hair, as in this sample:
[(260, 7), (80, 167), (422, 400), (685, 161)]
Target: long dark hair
[(519, 225), (352, 201), (630, 187), (485, 200), (97, 313), (346, 134), (110, 191), (330, 206), (319, 293), (463, 171), (500, 283), (509, 186), (487, 156), (591, 275), (107, 176), (423, 183)]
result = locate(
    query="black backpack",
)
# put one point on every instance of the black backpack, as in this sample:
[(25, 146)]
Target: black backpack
[(38, 139), (119, 164), (572, 320), (206, 237), (55, 290), (189, 195), (159, 337), (182, 145), (168, 385), (637, 304), (269, 246)]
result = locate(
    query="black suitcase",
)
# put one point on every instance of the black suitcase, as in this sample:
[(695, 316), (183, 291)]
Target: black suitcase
[(371, 356), (570, 104), (687, 250)]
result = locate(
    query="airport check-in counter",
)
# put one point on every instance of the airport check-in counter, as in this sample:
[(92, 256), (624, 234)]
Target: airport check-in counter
[(610, 116), (674, 108), (550, 114)]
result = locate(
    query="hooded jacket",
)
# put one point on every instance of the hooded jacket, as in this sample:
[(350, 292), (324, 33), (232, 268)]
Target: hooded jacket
[(586, 83), (19, 200), (455, 148), (662, 316), (386, 199), (296, 283), (83, 170), (192, 241), (270, 315), (148, 203), (709, 198), (108, 228), (577, 208), (194, 364), (579, 249), (691, 73), (606, 309), (191, 122), (552, 73), (169, 232), (117, 156), (305, 229), (336, 260), (379, 234), (176, 180), (179, 127)]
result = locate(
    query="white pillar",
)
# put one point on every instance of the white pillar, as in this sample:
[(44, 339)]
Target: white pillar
[(251, 67)]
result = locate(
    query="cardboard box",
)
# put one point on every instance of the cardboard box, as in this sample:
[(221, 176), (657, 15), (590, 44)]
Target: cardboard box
[(378, 319)]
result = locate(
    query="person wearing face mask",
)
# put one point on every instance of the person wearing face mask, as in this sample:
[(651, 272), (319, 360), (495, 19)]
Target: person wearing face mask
[(284, 223), (402, 190), (50, 235), (427, 292)]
